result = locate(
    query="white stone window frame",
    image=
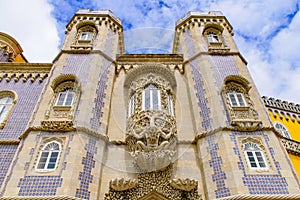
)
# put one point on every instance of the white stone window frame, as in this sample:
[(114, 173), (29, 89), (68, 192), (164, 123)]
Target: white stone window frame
[(282, 129), (50, 153), (239, 99), (151, 97), (65, 99), (258, 160)]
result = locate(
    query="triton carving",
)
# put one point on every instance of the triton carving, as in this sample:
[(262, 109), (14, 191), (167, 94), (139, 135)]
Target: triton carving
[(151, 138)]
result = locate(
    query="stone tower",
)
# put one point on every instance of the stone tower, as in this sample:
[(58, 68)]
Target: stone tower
[(186, 125)]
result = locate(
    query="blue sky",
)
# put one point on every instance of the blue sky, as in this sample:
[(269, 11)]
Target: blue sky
[(266, 32)]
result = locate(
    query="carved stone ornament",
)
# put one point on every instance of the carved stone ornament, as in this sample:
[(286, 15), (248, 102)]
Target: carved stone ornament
[(57, 125), (122, 184), (154, 185), (186, 184), (247, 125), (151, 138)]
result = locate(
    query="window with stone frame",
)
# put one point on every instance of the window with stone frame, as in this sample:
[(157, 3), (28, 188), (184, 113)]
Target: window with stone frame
[(282, 130), (7, 102), (49, 156), (151, 98), (212, 33), (239, 105), (254, 155), (86, 34), (66, 92)]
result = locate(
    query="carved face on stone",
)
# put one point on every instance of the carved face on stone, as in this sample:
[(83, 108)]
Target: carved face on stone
[(151, 130)]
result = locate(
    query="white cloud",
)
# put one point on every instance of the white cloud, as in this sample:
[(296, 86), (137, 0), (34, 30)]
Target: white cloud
[(262, 32), (31, 24)]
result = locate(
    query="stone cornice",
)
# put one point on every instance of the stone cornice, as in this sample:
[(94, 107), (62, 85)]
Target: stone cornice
[(130, 61), (24, 71), (73, 129), (195, 17), (98, 17), (292, 146)]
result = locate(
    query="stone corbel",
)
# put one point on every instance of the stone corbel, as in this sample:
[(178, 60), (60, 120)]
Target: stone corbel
[(246, 124), (186, 184), (122, 184)]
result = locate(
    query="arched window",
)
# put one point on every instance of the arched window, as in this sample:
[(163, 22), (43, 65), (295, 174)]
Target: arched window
[(282, 130), (5, 105), (131, 106), (255, 156), (151, 98), (65, 98), (49, 155)]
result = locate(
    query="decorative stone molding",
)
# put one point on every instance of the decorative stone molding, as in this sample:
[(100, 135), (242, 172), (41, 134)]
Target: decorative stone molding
[(186, 184), (291, 146), (122, 184), (154, 185), (24, 72), (61, 84), (151, 138), (133, 61), (246, 125), (100, 17), (243, 118), (57, 126), (283, 109)]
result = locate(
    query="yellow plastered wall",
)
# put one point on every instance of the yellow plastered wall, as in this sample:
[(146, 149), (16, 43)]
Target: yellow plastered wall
[(294, 129)]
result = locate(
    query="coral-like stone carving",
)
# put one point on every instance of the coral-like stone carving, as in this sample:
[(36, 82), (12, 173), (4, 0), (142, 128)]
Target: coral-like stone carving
[(122, 184), (186, 184), (154, 185), (57, 125), (151, 138)]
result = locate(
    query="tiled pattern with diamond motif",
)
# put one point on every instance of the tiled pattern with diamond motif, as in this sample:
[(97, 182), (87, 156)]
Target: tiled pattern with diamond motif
[(39, 185), (7, 153), (20, 115), (200, 94), (88, 163), (260, 183), (215, 163), (99, 100)]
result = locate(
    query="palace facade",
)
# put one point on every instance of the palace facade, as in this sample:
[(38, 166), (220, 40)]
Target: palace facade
[(98, 123)]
